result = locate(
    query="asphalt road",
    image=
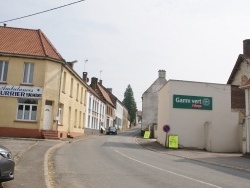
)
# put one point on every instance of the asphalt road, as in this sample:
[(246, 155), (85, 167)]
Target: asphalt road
[(117, 161)]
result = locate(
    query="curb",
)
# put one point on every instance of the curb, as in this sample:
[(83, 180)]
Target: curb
[(17, 157), (189, 158), (47, 168)]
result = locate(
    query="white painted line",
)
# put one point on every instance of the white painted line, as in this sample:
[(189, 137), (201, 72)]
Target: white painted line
[(167, 171)]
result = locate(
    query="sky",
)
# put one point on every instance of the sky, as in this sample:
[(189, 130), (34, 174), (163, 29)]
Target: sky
[(129, 41)]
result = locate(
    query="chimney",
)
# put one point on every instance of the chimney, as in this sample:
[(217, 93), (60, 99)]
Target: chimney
[(4, 25), (100, 82), (109, 89), (85, 77), (94, 83), (162, 73), (246, 47), (71, 64)]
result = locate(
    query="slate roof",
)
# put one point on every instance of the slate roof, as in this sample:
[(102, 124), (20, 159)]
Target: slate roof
[(27, 42)]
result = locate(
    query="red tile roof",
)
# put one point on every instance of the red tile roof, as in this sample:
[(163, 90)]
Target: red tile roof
[(105, 94), (18, 41)]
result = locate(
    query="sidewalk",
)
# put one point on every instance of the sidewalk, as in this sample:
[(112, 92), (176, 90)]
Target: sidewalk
[(28, 155), (230, 160), (30, 173)]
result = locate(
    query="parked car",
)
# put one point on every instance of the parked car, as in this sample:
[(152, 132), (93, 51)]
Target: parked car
[(111, 130), (7, 165)]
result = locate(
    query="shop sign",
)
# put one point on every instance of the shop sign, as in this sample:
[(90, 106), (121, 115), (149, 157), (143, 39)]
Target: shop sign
[(173, 141), (192, 102), (20, 91)]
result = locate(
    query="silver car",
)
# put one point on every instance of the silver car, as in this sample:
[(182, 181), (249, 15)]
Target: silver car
[(7, 165)]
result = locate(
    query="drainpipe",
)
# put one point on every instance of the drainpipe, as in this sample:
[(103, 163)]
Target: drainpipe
[(247, 119)]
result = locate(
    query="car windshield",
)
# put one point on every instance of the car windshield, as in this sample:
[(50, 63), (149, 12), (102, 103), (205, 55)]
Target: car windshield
[(112, 128)]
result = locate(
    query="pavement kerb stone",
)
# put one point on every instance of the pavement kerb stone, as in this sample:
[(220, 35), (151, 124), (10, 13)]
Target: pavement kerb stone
[(190, 158), (47, 171)]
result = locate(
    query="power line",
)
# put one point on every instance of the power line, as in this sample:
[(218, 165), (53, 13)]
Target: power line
[(42, 12)]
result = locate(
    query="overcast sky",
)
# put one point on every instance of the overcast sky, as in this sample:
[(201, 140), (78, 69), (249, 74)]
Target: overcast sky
[(128, 41)]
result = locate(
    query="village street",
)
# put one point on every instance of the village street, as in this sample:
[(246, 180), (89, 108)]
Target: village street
[(121, 160)]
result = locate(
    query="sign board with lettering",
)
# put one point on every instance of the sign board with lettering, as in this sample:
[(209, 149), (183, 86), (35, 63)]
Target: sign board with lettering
[(20, 91), (192, 102), (173, 141), (147, 134)]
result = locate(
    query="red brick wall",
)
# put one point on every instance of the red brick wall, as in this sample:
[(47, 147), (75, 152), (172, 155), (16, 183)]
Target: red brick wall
[(19, 132), (237, 97)]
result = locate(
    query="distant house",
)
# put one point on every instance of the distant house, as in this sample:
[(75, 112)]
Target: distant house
[(40, 93), (240, 77), (104, 96), (150, 101), (96, 113)]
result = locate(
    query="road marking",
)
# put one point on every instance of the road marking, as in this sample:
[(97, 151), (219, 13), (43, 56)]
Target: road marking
[(170, 172)]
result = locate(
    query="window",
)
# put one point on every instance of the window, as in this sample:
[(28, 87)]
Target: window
[(28, 73), (3, 70), (75, 118), (85, 96), (81, 94), (80, 119), (64, 82), (71, 87), (77, 91), (69, 119), (27, 109)]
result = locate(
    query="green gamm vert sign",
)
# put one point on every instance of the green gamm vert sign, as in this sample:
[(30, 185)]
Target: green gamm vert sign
[(192, 102)]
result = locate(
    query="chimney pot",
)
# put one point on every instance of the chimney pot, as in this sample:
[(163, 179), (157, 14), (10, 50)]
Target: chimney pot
[(246, 47), (85, 76), (162, 73), (94, 82)]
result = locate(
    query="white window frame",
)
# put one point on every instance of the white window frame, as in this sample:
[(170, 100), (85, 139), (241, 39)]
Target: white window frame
[(28, 73), (3, 74), (23, 113)]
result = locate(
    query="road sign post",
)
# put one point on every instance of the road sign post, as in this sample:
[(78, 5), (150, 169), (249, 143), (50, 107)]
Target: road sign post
[(166, 129)]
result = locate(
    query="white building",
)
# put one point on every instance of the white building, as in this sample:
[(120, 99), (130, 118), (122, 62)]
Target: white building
[(150, 101), (119, 115), (200, 114), (96, 111)]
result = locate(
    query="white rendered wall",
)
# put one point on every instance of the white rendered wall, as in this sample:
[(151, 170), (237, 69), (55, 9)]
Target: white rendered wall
[(222, 134)]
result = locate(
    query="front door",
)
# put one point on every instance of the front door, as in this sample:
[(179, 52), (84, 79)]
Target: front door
[(47, 120)]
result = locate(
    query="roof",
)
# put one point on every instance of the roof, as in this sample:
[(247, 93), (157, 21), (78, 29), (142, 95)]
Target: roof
[(240, 59), (27, 42), (105, 94), (91, 90)]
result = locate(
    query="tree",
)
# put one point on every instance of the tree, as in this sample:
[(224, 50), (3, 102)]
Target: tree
[(130, 104)]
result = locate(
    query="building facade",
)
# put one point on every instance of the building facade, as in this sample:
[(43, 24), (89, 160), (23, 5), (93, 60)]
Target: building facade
[(39, 90), (239, 77), (200, 114), (104, 96), (96, 114), (150, 101)]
